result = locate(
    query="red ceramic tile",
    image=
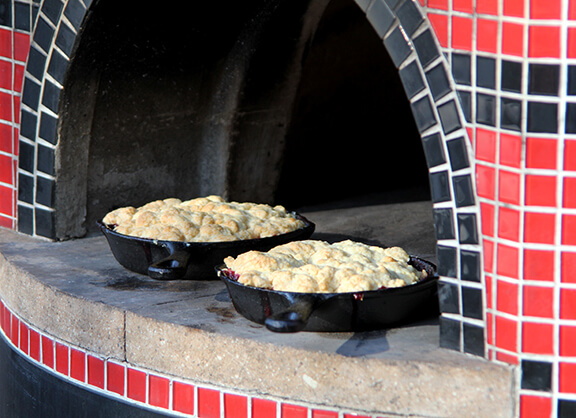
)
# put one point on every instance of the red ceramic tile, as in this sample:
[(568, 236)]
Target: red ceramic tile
[(115, 377), (438, 4), (355, 416), (486, 145), (537, 338), (571, 10), (539, 265), (293, 411), (34, 345), (18, 77), (543, 42), (62, 359), (466, 6), (136, 385), (5, 75), (507, 297), (509, 187), (95, 371), (488, 42), (535, 406), (540, 190), (5, 107), (568, 267), (235, 406), (570, 155), (488, 255), (24, 341), (5, 43), (440, 25), (5, 169), (263, 408), (21, 46), (16, 109), (538, 301), (571, 52), (510, 150), (317, 413), (490, 329), (487, 213), (462, 31), (569, 193), (539, 227), (208, 403), (77, 365), (508, 223), (507, 358), (567, 341), (488, 7), (567, 382), (569, 229), (541, 153), (47, 351), (6, 138), (159, 391), (6, 206), (183, 397), (486, 181), (15, 331), (567, 303), (507, 261), (513, 8), (506, 334), (489, 292), (545, 9)]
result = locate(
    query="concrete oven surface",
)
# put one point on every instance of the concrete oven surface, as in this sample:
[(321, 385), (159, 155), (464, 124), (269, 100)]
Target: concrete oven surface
[(78, 293)]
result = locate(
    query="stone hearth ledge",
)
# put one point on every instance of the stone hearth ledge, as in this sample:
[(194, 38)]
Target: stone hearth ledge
[(76, 292)]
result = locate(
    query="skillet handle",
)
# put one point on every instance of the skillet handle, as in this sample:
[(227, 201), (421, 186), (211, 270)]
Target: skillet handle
[(293, 319), (173, 267)]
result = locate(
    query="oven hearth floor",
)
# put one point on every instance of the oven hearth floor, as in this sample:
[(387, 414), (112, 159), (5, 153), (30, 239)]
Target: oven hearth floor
[(77, 292)]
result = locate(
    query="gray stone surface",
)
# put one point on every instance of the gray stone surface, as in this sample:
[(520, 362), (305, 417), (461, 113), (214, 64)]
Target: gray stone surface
[(76, 291)]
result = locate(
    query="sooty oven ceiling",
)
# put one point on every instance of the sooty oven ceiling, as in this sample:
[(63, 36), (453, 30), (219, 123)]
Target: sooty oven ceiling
[(286, 101)]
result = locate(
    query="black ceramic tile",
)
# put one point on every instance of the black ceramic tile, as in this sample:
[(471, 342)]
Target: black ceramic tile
[(511, 114), (461, 69), (536, 375), (44, 191), (433, 150), (570, 118), (52, 9), (449, 117), (411, 79), (473, 339), (380, 17), (57, 67), (51, 96), (438, 82), (397, 46), (450, 334), (44, 223), (65, 39), (447, 261), (458, 153), (448, 297), (423, 114), (511, 76), (467, 228), (470, 266), (472, 302), (543, 79), (25, 220), (486, 72), (426, 48), (463, 191), (485, 109), (48, 126), (31, 93), (25, 188), (28, 125), (43, 34), (6, 13), (45, 160), (363, 4), (566, 408), (542, 117), (571, 90), (440, 187), (36, 63), (392, 4), (22, 16), (409, 16), (75, 12), (26, 157), (444, 223), (466, 103)]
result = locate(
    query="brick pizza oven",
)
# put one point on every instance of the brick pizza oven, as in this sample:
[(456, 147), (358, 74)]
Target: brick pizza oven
[(468, 103)]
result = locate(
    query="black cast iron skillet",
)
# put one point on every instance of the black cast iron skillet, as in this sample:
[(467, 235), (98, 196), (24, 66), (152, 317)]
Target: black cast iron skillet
[(336, 312), (170, 260)]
